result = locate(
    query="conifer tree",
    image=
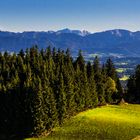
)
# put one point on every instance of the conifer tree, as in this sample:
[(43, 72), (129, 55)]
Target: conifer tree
[(96, 65), (137, 75), (100, 85), (111, 72), (86, 90), (61, 101), (69, 89), (68, 76), (21, 53), (110, 69), (131, 85), (133, 93), (89, 69), (49, 106), (80, 61), (37, 107), (92, 87)]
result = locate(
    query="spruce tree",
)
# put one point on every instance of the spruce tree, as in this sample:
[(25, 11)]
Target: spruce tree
[(80, 61), (131, 90), (137, 75), (110, 69), (92, 87), (49, 106), (100, 85), (86, 90), (61, 101), (37, 107), (133, 93)]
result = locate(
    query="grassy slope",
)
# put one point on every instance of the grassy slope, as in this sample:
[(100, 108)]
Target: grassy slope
[(105, 123), (124, 78)]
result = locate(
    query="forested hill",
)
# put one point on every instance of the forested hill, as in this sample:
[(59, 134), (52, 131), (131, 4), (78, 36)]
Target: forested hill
[(133, 87), (112, 42), (39, 89)]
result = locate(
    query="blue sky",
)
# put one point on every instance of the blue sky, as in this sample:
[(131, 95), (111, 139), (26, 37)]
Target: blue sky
[(91, 15)]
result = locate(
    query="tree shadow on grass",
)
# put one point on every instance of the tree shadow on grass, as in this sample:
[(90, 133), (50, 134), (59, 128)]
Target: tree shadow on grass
[(12, 137)]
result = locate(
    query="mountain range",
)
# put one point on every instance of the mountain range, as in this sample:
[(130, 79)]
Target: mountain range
[(116, 42)]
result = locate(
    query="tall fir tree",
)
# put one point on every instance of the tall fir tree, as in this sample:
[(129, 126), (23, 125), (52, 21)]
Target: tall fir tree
[(37, 107), (49, 106), (61, 101), (92, 85)]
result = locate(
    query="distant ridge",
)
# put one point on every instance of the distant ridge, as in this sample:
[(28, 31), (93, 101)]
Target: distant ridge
[(117, 42), (78, 32)]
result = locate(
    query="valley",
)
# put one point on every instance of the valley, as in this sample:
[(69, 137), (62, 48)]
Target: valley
[(122, 46)]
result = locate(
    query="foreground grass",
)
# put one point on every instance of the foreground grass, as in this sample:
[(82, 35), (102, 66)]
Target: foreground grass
[(104, 123)]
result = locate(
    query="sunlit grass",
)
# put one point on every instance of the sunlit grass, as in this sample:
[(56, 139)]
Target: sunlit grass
[(124, 78), (104, 123), (120, 70)]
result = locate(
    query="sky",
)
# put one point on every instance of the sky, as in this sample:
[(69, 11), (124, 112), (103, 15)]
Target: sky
[(91, 15)]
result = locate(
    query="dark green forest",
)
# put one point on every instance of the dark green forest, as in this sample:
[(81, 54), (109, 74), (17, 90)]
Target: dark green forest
[(133, 85), (39, 89)]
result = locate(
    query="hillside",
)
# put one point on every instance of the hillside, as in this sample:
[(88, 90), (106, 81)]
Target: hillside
[(104, 123), (39, 89), (111, 42)]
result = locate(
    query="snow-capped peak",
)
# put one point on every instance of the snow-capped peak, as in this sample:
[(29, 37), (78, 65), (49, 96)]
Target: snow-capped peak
[(116, 32), (78, 32)]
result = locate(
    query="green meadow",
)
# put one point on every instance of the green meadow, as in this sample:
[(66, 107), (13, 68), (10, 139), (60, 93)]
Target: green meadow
[(124, 78), (111, 122), (120, 70)]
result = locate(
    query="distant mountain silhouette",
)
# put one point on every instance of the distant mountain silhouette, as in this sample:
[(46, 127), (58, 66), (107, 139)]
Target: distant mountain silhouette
[(118, 42)]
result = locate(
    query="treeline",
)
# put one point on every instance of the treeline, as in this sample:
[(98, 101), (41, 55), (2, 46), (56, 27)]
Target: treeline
[(40, 88), (133, 85)]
